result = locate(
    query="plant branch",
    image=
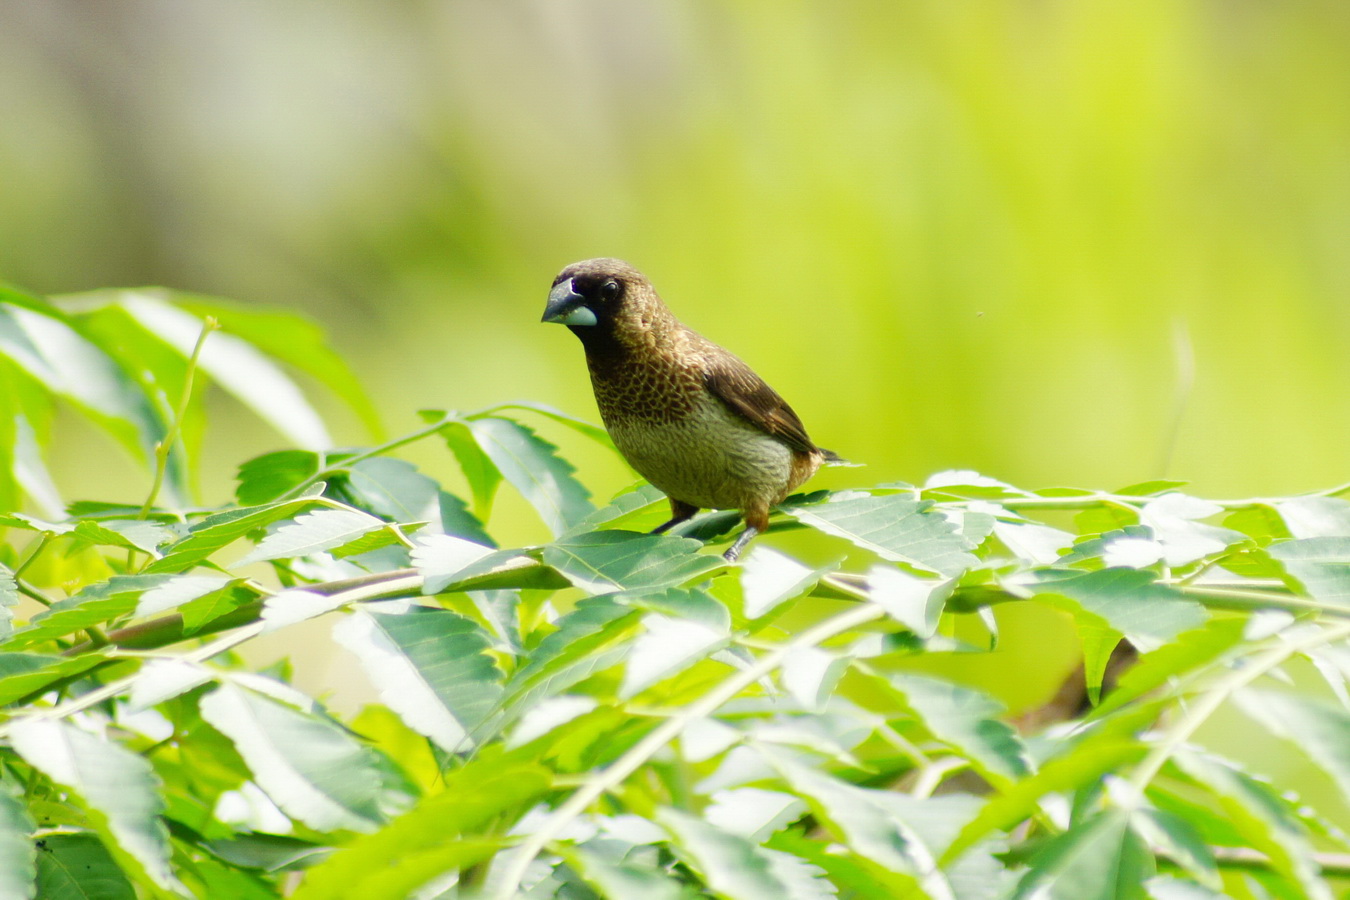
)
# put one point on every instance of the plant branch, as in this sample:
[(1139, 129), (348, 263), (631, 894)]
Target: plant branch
[(166, 444), (663, 734)]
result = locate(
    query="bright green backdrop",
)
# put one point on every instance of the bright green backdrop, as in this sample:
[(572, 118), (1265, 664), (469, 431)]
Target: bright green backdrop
[(1059, 242)]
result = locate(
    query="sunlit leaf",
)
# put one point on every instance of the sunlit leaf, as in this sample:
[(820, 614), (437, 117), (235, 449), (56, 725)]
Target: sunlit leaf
[(313, 532), (221, 529), (736, 869), (533, 467), (665, 647), (431, 668), (1319, 729), (769, 578), (1130, 600), (1100, 858), (96, 604), (895, 528), (118, 785), (1320, 564), (914, 602), (1309, 517), (605, 561), (18, 863), (966, 719), (265, 478), (422, 842), (22, 674), (311, 768), (9, 598)]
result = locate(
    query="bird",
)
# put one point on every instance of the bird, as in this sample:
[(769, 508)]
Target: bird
[(688, 415)]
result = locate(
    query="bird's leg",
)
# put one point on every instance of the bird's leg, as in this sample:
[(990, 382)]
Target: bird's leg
[(680, 512), (756, 522)]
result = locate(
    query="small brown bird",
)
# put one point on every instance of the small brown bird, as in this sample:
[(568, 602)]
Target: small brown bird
[(692, 418)]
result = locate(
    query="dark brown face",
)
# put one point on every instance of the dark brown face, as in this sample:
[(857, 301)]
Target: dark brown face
[(591, 294)]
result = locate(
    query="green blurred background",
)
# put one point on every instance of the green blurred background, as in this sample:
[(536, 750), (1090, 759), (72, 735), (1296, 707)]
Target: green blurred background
[(995, 235), (1060, 242)]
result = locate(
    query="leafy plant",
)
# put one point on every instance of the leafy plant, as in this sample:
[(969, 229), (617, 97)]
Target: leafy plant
[(613, 713)]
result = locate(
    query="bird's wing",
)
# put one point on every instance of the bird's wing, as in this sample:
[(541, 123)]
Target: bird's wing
[(737, 385)]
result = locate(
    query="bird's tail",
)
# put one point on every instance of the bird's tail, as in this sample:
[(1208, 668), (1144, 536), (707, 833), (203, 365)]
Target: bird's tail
[(834, 459)]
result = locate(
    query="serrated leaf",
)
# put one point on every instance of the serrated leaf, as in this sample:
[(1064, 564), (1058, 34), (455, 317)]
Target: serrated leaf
[(487, 788), (132, 534), (914, 602), (1308, 517), (1321, 565), (1159, 667), (665, 647), (735, 868), (966, 719), (265, 478), (1319, 729), (312, 532), (220, 530), (1265, 820), (1100, 858), (753, 813), (873, 823), (533, 467), (597, 634), (94, 605), (118, 785), (605, 561), (894, 528), (163, 679), (1130, 600), (78, 867), (614, 879), (9, 598), (769, 578), (175, 591), (22, 674), (430, 666), (440, 558), (18, 863), (640, 509), (310, 767), (481, 473)]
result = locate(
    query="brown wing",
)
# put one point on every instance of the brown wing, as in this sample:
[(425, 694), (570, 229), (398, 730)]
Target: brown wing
[(740, 388)]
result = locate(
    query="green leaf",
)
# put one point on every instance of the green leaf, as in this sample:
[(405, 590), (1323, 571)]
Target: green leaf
[(1309, 517), (580, 426), (483, 476), (394, 490), (894, 528), (265, 478), (310, 767), (533, 467), (94, 605), (666, 647), (640, 509), (1319, 729), (423, 841), (1129, 600), (1100, 858), (18, 863), (769, 578), (131, 534), (78, 867), (431, 667), (914, 602), (9, 597), (313, 532), (172, 592), (219, 530), (967, 720), (119, 786), (618, 880), (22, 674), (1321, 565), (596, 635), (292, 339), (441, 559), (41, 341), (875, 824), (1162, 666), (735, 868), (1265, 820), (605, 561), (235, 365)]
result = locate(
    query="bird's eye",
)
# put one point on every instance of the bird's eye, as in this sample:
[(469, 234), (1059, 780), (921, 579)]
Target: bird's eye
[(609, 290)]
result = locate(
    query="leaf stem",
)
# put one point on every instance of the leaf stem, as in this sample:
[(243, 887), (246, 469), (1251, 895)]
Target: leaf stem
[(1195, 715), (164, 448), (348, 461), (663, 734)]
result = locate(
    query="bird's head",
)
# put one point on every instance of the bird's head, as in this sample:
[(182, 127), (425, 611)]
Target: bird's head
[(600, 296)]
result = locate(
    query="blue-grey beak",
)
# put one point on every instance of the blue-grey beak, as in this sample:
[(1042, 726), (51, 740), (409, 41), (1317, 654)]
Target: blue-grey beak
[(566, 306)]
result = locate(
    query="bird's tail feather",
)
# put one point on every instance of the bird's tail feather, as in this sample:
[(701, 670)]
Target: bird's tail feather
[(834, 459)]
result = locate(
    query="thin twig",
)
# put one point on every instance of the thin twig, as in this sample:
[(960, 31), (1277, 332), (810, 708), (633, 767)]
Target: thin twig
[(165, 446)]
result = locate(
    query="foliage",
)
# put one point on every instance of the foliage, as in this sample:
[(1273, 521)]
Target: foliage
[(613, 713)]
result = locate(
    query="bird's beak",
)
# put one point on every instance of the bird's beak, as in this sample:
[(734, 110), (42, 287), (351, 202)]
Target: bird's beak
[(566, 306)]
